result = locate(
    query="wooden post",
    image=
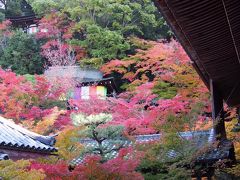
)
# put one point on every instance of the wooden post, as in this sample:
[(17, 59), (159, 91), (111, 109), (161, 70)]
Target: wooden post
[(217, 112)]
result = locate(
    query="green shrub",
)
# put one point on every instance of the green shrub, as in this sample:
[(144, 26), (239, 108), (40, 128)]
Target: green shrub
[(165, 90), (22, 55)]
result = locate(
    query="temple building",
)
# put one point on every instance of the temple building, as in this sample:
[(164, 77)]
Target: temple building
[(87, 83), (25, 20)]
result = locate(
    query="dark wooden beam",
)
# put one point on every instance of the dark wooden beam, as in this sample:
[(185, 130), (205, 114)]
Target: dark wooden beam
[(217, 112)]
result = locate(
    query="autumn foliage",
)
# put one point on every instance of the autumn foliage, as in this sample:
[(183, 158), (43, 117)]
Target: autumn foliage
[(121, 167), (142, 109), (163, 61), (22, 100), (56, 31)]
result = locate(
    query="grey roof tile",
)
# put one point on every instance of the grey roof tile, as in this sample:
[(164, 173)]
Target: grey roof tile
[(200, 138), (14, 136)]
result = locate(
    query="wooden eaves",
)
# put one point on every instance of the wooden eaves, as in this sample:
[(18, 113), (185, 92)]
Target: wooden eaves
[(209, 32)]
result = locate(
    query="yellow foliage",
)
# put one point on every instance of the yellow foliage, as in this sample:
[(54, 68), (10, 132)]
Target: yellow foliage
[(18, 171), (28, 124), (203, 125), (49, 160), (68, 143), (235, 136), (45, 125)]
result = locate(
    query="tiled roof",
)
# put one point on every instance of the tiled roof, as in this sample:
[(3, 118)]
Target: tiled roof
[(75, 72), (225, 150), (13, 136), (200, 139)]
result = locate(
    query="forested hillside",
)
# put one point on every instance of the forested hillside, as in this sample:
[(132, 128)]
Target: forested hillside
[(158, 92)]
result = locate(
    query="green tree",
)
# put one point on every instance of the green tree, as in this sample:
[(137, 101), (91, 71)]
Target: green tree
[(104, 27), (12, 7), (16, 8), (106, 139), (2, 16), (131, 17), (105, 44), (43, 7), (22, 54)]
